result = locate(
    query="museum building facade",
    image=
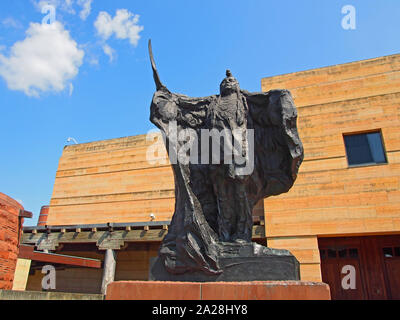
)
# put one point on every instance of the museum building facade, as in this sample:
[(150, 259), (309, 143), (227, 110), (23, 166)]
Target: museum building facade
[(341, 218)]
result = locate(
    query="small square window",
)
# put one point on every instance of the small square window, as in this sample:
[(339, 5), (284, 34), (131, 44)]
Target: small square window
[(365, 148), (331, 253), (353, 253), (342, 253)]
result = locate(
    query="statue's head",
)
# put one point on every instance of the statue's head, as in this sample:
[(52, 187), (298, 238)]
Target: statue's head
[(229, 84)]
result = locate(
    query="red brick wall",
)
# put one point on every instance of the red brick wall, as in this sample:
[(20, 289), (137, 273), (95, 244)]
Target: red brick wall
[(44, 212), (9, 226)]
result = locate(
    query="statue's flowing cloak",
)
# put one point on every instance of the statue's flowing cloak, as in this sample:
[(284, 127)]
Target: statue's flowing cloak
[(192, 243)]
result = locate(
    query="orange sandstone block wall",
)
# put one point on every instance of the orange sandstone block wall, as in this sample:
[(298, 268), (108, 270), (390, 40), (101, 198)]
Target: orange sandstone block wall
[(330, 198), (111, 181)]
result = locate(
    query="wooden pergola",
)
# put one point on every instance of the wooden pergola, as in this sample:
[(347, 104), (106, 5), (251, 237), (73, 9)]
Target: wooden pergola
[(108, 237)]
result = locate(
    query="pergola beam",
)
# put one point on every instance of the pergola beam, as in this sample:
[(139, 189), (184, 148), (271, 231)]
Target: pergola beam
[(103, 238), (28, 252)]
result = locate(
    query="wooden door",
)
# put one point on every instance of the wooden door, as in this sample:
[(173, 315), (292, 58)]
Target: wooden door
[(336, 254), (373, 270), (390, 254)]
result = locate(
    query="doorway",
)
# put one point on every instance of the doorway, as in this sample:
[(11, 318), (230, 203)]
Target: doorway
[(361, 268)]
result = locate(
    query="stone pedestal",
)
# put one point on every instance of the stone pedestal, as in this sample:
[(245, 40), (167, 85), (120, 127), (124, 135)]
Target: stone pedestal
[(256, 290)]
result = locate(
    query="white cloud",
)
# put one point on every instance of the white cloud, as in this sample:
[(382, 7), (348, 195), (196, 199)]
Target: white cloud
[(71, 89), (45, 61), (110, 52), (94, 61), (67, 6), (124, 26), (40, 3), (86, 8), (64, 5)]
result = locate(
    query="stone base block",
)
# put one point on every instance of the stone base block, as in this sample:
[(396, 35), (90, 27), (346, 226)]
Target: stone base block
[(256, 290), (279, 265)]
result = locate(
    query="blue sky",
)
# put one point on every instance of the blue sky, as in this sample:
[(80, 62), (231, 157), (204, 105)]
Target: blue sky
[(90, 95)]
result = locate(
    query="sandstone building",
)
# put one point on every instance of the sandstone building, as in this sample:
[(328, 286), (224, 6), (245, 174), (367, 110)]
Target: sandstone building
[(344, 209)]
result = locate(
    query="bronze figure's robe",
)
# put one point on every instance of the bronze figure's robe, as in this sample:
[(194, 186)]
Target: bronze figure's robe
[(214, 201)]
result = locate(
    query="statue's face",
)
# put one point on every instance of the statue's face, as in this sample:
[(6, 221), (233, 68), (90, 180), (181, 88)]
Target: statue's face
[(229, 85)]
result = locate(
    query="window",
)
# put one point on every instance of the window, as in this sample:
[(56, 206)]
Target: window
[(353, 253), (391, 252), (339, 253), (342, 253), (331, 253), (365, 148)]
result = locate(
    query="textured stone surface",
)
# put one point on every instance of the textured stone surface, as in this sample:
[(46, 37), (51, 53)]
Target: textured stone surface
[(35, 295), (21, 274), (151, 290), (257, 290), (9, 235), (44, 214)]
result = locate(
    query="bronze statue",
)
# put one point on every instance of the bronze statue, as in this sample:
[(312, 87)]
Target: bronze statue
[(218, 187)]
